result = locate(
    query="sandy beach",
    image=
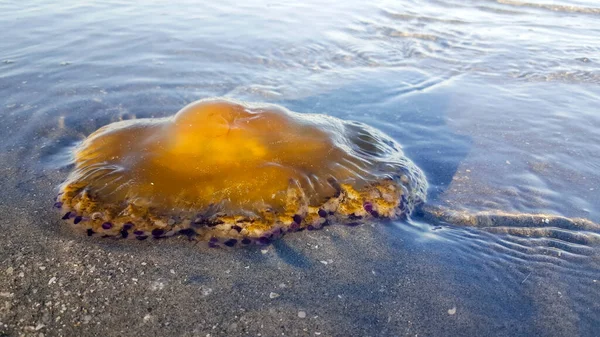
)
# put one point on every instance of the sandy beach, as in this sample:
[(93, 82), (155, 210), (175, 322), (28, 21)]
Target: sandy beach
[(496, 101), (371, 280)]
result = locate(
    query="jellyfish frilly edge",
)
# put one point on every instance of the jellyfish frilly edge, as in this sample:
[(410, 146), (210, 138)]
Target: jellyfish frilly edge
[(233, 173)]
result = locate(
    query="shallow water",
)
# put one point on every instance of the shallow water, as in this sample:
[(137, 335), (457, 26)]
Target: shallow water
[(497, 101)]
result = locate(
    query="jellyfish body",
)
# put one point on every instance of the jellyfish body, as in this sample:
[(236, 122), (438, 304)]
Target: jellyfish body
[(235, 173)]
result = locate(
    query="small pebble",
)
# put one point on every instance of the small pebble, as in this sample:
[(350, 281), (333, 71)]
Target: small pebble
[(302, 314)]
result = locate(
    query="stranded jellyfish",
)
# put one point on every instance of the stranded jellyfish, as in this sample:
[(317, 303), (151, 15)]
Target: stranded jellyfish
[(235, 173)]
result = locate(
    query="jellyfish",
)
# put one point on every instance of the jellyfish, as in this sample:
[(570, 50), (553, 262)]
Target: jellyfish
[(234, 173)]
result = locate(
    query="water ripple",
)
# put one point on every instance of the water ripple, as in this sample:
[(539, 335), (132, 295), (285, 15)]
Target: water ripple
[(552, 7)]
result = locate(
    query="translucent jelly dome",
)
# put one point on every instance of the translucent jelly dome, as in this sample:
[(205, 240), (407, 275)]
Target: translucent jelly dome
[(235, 158)]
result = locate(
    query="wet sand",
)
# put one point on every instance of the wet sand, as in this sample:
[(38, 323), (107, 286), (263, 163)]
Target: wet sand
[(371, 280), (55, 282)]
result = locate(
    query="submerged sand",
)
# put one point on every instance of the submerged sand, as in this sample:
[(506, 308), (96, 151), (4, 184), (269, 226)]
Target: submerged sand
[(378, 279)]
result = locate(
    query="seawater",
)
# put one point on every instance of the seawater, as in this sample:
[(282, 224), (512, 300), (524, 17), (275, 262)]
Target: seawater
[(497, 101)]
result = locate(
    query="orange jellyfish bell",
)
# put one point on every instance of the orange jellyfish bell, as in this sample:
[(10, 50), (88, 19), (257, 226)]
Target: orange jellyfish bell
[(235, 173)]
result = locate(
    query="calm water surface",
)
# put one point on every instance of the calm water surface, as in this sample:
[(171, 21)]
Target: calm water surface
[(497, 101)]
